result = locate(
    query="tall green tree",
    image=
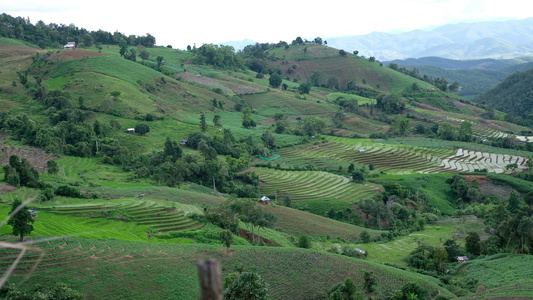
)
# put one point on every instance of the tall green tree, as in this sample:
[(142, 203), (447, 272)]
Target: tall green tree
[(473, 243), (142, 128), (216, 121), (226, 237), (275, 80), (203, 124), (160, 60), (399, 125), (21, 219)]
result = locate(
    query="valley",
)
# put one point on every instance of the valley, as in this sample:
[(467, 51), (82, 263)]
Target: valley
[(136, 169)]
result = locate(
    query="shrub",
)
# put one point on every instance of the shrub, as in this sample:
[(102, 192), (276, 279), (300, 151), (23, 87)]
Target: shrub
[(304, 241), (68, 191)]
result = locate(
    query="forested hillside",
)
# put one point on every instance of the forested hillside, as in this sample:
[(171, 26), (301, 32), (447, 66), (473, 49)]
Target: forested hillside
[(513, 96)]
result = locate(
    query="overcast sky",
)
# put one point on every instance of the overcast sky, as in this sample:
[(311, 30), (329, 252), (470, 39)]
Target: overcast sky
[(181, 23)]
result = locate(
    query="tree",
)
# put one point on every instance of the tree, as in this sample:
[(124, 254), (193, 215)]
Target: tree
[(160, 60), (399, 125), (144, 55), (216, 121), (304, 241), (245, 286), (313, 125), (511, 167), (473, 243), (20, 172), (142, 128), (226, 237), (346, 290), (410, 290), (247, 120), (57, 291), (304, 88), (365, 236), (132, 55), (269, 139), (52, 167), (203, 124), (465, 133), (87, 40), (275, 80), (342, 52), (358, 176), (21, 219), (370, 282)]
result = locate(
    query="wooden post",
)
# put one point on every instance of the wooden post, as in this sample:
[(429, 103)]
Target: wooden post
[(210, 276)]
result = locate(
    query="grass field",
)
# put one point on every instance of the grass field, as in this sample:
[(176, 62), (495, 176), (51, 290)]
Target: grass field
[(498, 271)]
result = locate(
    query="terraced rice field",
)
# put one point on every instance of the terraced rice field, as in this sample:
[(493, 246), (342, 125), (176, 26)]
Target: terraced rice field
[(148, 213), (469, 160), (402, 159), (313, 185), (399, 159)]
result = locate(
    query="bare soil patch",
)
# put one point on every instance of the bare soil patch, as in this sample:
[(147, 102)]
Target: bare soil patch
[(427, 107), (36, 157), (11, 50), (250, 237), (74, 54), (487, 187), (206, 81)]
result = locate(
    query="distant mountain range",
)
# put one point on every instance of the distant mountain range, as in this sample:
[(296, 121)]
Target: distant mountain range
[(494, 39)]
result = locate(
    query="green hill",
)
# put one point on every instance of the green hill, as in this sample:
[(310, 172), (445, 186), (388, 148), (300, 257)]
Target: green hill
[(512, 96)]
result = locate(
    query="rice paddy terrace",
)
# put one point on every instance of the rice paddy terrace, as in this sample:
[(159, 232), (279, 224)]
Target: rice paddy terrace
[(313, 185), (156, 217), (397, 158)]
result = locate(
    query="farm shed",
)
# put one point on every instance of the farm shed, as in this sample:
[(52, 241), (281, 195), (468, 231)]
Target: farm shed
[(462, 259), (130, 130), (184, 143), (69, 45), (265, 199)]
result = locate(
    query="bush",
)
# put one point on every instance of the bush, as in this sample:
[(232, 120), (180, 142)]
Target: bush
[(68, 191), (245, 285), (142, 129), (304, 241)]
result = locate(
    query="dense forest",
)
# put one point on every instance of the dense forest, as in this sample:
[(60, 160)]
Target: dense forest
[(513, 96)]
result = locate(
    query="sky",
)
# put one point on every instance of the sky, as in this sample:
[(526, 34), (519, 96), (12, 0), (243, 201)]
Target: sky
[(180, 23)]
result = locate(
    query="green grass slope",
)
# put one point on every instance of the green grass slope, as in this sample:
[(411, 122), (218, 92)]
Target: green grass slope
[(346, 68), (128, 270)]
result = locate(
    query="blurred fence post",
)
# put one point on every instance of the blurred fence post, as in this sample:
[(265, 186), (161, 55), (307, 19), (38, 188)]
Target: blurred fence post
[(210, 275)]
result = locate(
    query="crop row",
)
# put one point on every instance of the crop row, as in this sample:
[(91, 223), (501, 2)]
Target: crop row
[(313, 185), (468, 161), (61, 252), (386, 158), (159, 218)]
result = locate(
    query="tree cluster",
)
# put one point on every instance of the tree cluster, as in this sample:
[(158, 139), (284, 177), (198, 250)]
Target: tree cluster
[(228, 214), (509, 221), (397, 208), (57, 35), (440, 82)]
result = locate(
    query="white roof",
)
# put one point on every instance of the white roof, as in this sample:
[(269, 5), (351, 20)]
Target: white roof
[(265, 198)]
